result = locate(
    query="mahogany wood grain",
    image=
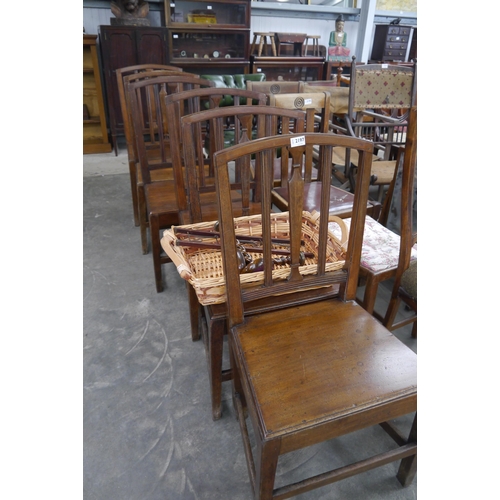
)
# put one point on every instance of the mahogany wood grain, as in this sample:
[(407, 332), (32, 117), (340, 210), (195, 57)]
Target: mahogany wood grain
[(310, 372)]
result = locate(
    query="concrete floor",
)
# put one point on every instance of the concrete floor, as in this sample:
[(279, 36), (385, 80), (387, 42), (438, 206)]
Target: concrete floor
[(147, 426)]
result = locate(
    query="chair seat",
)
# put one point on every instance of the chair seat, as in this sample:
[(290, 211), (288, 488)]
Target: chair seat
[(384, 171), (345, 363), (341, 201), (339, 155), (380, 246), (161, 198)]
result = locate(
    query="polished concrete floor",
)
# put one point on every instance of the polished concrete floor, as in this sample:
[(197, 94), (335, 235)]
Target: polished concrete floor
[(147, 426)]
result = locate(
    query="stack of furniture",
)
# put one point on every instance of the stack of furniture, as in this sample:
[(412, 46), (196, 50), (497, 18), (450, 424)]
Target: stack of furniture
[(295, 330), (202, 37)]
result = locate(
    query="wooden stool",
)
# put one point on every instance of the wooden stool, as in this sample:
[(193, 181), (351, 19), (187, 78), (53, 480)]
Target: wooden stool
[(262, 43), (315, 44)]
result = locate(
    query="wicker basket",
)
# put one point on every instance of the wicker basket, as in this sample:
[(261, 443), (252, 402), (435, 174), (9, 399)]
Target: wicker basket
[(202, 268)]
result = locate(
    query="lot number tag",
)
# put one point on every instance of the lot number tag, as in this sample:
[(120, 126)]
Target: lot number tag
[(297, 141)]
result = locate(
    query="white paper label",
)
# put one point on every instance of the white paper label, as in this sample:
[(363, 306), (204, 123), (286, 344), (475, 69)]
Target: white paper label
[(209, 7), (175, 36), (172, 5), (297, 141), (307, 101)]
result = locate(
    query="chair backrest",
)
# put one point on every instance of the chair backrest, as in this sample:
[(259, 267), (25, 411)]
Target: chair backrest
[(382, 86), (131, 70), (407, 190), (192, 101), (274, 87), (308, 234), (339, 96), (250, 123), (380, 96), (147, 98), (127, 115), (317, 108)]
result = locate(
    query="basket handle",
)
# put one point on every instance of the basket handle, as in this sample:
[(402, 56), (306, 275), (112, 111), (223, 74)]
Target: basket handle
[(345, 232), (168, 244)]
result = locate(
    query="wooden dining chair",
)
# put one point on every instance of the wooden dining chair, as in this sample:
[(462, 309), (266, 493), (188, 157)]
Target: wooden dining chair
[(249, 122), (193, 101), (121, 73), (317, 107), (166, 202), (405, 281), (313, 372), (380, 96), (157, 200), (382, 247)]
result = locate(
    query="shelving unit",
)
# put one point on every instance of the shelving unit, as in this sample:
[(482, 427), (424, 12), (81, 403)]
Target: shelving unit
[(95, 131), (207, 36), (289, 68)]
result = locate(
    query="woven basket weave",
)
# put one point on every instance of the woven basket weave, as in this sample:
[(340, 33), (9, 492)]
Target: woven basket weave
[(202, 268)]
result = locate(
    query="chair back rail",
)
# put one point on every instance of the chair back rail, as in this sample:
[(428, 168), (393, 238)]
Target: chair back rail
[(264, 149), (151, 92), (249, 123), (192, 101)]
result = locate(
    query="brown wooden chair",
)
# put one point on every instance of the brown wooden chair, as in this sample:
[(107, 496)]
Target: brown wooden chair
[(317, 107), (405, 281), (380, 96), (121, 73), (380, 258), (164, 202), (250, 122), (157, 200), (312, 372)]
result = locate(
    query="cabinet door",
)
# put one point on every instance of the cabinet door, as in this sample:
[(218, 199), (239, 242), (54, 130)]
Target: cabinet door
[(118, 48), (151, 46)]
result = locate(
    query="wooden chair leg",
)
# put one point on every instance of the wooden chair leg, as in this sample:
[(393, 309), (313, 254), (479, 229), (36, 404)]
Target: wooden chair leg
[(194, 313), (408, 466), (267, 455), (261, 45), (252, 48), (370, 295), (143, 218), (133, 186), (237, 390), (273, 45), (216, 332), (154, 231), (392, 309)]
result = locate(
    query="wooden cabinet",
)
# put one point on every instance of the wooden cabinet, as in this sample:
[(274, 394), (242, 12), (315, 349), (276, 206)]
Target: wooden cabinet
[(289, 68), (207, 13), (209, 35), (128, 46), (390, 42), (95, 131)]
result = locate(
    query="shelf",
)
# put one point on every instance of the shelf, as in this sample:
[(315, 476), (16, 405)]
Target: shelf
[(207, 14)]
